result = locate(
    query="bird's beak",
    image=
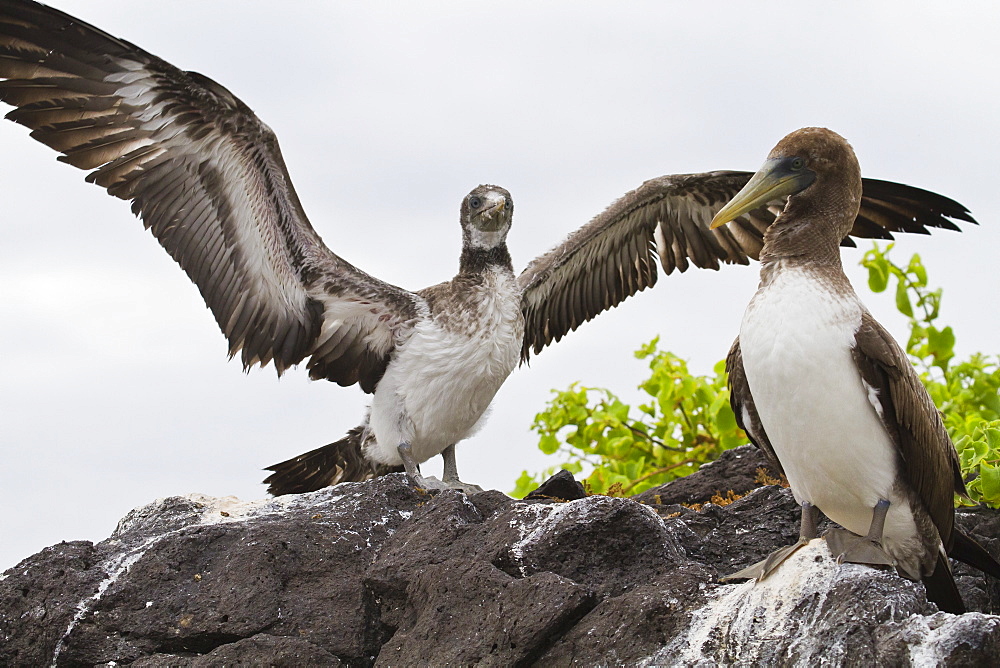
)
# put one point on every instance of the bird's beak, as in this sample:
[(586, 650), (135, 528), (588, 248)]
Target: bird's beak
[(496, 206), (774, 180)]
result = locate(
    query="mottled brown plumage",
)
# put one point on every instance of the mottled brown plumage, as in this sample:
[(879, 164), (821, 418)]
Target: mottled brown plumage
[(442, 376)]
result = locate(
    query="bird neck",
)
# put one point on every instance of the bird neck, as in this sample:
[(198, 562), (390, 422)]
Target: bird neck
[(808, 232), (476, 260)]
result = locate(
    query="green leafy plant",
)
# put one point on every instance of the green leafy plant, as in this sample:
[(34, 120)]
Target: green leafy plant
[(687, 420), (966, 392)]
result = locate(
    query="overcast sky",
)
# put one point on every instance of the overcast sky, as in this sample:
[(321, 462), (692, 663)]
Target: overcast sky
[(115, 387)]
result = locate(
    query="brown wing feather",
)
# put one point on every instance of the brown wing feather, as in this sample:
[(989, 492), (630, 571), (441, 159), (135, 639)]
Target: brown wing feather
[(913, 422), (207, 178), (614, 256), (743, 404)]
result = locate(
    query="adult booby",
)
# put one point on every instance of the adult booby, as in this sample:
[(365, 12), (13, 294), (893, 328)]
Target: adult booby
[(825, 390), (207, 178)]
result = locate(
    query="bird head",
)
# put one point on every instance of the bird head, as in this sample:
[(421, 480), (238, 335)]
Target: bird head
[(487, 213), (816, 169)]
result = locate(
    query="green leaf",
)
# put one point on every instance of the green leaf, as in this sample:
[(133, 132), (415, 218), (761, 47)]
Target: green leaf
[(878, 275), (903, 300), (619, 445), (548, 444), (972, 452), (916, 267), (989, 477), (619, 410), (941, 344)]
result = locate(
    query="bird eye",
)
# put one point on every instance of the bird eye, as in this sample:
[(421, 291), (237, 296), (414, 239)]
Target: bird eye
[(797, 164), (475, 202)]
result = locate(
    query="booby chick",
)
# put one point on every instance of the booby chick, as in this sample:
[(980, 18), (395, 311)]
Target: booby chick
[(207, 178), (824, 389), (462, 340)]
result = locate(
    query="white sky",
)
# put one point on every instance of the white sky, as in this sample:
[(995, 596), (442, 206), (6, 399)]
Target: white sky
[(115, 387)]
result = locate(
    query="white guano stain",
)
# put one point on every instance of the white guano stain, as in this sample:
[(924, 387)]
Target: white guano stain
[(746, 617), (939, 634)]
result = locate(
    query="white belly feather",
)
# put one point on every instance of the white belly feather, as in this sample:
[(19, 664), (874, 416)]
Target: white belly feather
[(437, 390), (796, 341)]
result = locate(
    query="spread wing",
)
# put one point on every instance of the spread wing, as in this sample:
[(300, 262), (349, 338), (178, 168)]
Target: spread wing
[(614, 256), (930, 462), (207, 178), (743, 404)]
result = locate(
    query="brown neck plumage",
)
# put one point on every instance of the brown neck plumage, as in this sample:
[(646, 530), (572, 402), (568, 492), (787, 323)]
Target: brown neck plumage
[(799, 234)]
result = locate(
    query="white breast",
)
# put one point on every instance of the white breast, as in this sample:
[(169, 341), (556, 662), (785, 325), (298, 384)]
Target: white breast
[(438, 388), (796, 341)]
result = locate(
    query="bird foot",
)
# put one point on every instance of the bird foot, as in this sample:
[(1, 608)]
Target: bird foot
[(466, 487), (855, 549), (762, 569), (431, 483)]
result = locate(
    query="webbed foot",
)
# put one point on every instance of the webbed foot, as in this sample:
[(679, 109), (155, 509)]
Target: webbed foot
[(762, 569), (467, 487), (449, 477), (432, 483), (854, 549)]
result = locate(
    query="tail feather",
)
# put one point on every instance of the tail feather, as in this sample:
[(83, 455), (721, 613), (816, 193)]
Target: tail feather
[(941, 587), (968, 551), (342, 461)]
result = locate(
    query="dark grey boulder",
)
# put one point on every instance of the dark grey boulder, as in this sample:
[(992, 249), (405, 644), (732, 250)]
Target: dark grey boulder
[(380, 573), (562, 486)]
